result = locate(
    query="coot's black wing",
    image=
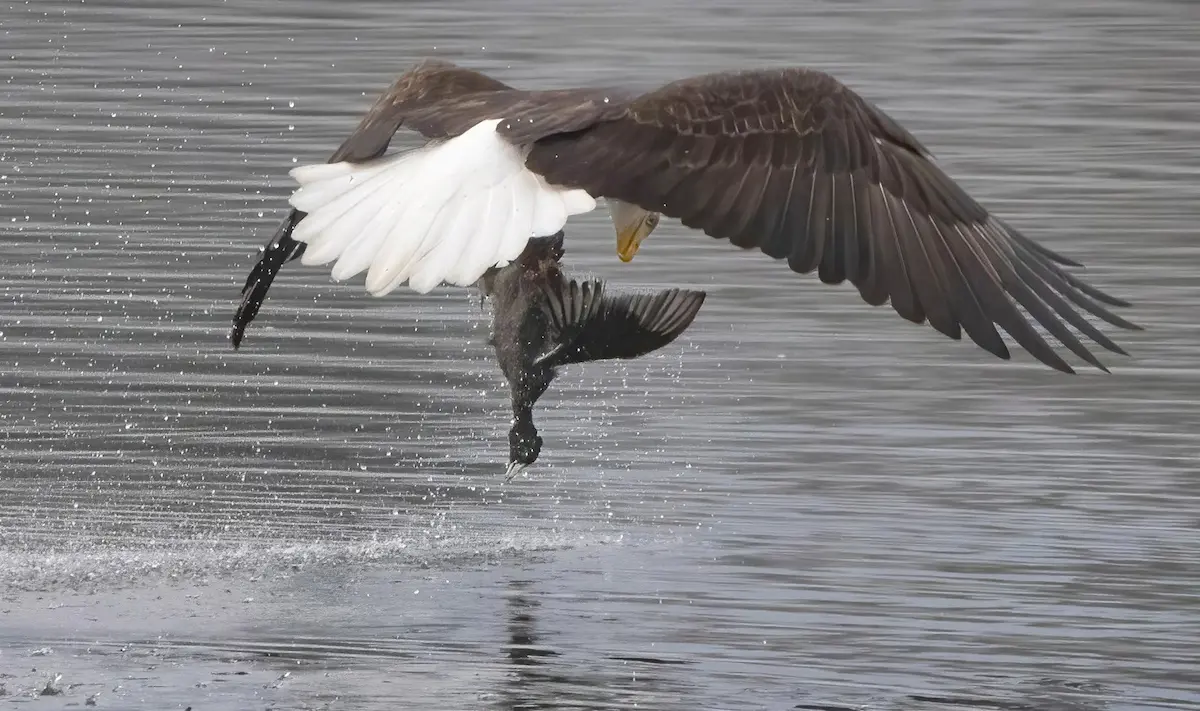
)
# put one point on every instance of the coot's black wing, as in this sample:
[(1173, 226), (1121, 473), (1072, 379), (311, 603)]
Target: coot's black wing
[(588, 325)]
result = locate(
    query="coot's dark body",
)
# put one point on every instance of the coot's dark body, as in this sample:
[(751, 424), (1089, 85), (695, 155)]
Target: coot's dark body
[(542, 320)]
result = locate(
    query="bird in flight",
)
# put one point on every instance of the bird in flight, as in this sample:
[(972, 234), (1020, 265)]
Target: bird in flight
[(788, 161)]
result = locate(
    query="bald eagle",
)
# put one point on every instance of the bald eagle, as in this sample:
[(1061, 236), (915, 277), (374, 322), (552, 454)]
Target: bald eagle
[(789, 161)]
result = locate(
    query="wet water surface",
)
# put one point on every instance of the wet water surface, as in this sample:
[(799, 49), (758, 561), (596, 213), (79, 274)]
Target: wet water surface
[(803, 503)]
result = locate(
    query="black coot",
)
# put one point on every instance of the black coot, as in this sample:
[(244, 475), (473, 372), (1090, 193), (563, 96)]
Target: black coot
[(542, 320)]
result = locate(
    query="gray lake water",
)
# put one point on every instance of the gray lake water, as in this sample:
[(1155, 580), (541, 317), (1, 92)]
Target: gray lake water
[(805, 503)]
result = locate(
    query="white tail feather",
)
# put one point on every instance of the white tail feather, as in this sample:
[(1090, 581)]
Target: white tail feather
[(550, 212), (445, 254), (476, 255), (578, 201), (446, 212), (320, 171), (325, 182), (329, 229), (361, 247)]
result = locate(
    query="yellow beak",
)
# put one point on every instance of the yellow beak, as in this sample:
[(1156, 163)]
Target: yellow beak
[(632, 225), (630, 238), (628, 242)]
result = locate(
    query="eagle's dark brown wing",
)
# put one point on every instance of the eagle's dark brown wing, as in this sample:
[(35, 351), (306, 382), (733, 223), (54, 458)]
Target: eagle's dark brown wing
[(438, 100), (796, 164)]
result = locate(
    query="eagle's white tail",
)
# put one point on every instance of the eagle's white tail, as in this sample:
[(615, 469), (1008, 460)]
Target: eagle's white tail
[(446, 212)]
